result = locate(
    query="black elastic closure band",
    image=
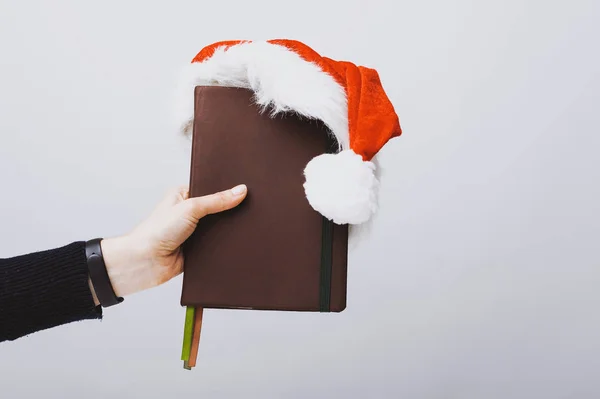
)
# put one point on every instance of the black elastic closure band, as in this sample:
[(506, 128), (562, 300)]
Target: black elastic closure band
[(98, 274), (327, 248), (326, 265)]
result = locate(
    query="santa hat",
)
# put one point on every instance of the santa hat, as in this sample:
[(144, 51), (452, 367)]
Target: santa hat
[(289, 76)]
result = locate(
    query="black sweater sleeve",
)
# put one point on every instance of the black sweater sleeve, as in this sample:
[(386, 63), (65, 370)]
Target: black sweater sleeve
[(43, 290)]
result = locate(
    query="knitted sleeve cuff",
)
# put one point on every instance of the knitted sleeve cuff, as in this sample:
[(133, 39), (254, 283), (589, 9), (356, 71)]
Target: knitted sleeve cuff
[(45, 289)]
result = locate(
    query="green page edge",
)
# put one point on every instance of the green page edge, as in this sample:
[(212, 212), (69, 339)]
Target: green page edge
[(188, 331)]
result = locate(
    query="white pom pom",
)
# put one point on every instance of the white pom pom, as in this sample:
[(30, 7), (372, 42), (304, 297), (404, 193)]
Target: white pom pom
[(342, 187)]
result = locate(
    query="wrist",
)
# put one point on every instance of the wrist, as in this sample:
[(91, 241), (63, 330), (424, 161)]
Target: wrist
[(99, 282), (122, 259)]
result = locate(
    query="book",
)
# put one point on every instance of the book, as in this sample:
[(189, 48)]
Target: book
[(273, 251)]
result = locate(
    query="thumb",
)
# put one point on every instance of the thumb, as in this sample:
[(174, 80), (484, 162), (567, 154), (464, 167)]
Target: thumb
[(198, 207)]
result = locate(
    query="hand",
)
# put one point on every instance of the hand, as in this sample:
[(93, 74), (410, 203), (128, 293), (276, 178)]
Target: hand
[(151, 254)]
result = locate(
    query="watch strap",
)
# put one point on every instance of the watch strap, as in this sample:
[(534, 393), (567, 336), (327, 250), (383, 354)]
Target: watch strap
[(99, 275)]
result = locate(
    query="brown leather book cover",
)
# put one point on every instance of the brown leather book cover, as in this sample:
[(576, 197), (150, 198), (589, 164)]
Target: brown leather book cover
[(274, 251)]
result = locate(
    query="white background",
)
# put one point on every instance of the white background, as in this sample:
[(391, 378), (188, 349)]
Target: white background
[(480, 274)]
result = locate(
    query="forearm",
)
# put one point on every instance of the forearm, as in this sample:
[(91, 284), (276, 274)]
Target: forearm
[(43, 290)]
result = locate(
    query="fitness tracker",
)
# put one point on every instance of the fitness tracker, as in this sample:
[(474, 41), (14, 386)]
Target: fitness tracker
[(99, 275)]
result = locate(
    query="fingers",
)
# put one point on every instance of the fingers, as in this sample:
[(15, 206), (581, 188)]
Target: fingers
[(199, 207), (178, 194), (184, 192), (173, 197)]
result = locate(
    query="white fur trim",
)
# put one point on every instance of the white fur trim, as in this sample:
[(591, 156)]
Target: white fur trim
[(279, 77), (342, 187)]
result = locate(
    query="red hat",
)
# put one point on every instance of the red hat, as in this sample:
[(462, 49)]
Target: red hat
[(289, 76)]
